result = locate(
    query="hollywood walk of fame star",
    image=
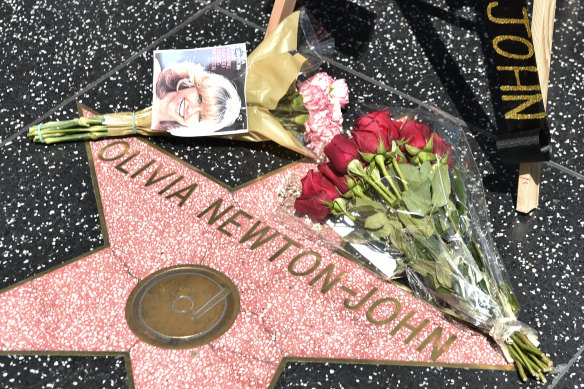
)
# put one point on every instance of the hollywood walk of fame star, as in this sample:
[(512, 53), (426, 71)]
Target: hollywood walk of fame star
[(81, 306)]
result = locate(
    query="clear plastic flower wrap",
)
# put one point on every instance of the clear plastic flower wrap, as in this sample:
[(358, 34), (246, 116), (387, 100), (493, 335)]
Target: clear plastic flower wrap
[(408, 180)]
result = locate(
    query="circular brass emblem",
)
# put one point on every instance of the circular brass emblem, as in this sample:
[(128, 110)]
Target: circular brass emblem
[(182, 306)]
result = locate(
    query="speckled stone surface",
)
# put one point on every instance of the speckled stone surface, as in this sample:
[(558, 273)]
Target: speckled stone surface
[(438, 51), (59, 371), (53, 51), (433, 51)]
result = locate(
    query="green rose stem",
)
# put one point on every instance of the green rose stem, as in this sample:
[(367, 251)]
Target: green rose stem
[(380, 162), (358, 191), (518, 363), (95, 133), (399, 173), (386, 196)]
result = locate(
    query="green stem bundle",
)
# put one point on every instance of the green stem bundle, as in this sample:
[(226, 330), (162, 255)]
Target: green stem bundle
[(528, 358)]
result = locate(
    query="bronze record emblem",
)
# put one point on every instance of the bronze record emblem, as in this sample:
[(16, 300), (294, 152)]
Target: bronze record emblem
[(182, 306)]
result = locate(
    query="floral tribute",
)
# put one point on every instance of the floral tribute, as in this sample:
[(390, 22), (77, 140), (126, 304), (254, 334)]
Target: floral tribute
[(313, 109), (402, 183)]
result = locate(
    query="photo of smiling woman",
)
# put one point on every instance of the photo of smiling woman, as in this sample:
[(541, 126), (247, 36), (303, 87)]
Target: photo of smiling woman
[(191, 101)]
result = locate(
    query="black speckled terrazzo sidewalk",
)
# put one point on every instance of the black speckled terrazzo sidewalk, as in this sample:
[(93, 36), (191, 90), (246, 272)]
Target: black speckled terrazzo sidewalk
[(397, 53)]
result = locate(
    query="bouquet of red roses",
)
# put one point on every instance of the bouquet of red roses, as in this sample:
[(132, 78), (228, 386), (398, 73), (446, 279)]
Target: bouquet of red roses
[(417, 189)]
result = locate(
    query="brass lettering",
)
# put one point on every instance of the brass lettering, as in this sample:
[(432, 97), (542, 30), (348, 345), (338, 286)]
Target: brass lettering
[(436, 352), (231, 220), (404, 323), (504, 53), (529, 101), (183, 197), (289, 243), (373, 306), (173, 183), (524, 20), (517, 71), (347, 303), (215, 207), (300, 256), (327, 284), (261, 240), (154, 179), (124, 151), (125, 161), (152, 162)]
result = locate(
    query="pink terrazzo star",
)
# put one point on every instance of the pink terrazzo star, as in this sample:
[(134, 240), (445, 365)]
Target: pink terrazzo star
[(284, 312)]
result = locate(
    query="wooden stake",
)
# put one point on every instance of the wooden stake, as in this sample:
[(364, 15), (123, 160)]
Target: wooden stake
[(542, 29), (281, 9)]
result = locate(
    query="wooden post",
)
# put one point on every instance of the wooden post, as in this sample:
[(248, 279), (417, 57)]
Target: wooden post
[(281, 9), (542, 29)]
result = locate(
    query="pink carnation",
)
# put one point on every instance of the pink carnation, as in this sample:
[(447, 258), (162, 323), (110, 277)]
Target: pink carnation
[(315, 91), (320, 129), (340, 92), (334, 112)]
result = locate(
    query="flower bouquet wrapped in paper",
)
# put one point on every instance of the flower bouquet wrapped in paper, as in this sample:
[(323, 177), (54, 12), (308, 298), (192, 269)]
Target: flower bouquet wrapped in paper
[(410, 183), (189, 98)]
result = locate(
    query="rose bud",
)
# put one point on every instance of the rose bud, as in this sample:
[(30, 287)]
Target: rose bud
[(338, 180), (340, 151), (316, 189)]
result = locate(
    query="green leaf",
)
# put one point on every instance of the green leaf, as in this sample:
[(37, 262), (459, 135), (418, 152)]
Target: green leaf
[(441, 187), (408, 224), (442, 290), (385, 230), (376, 221), (410, 173), (364, 205), (425, 189), (482, 284), (459, 190), (416, 203), (424, 225), (453, 214), (355, 169), (512, 300), (426, 170)]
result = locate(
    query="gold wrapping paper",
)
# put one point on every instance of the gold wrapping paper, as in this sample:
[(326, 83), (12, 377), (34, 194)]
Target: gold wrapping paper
[(271, 70), (120, 123)]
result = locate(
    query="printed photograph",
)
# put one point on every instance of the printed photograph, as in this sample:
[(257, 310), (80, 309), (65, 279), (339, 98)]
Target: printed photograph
[(200, 92)]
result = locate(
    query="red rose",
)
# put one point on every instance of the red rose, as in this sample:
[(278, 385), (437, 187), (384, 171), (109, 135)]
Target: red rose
[(338, 180), (441, 148), (377, 119), (393, 129), (417, 133), (372, 127), (340, 151), (316, 189), (368, 141)]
